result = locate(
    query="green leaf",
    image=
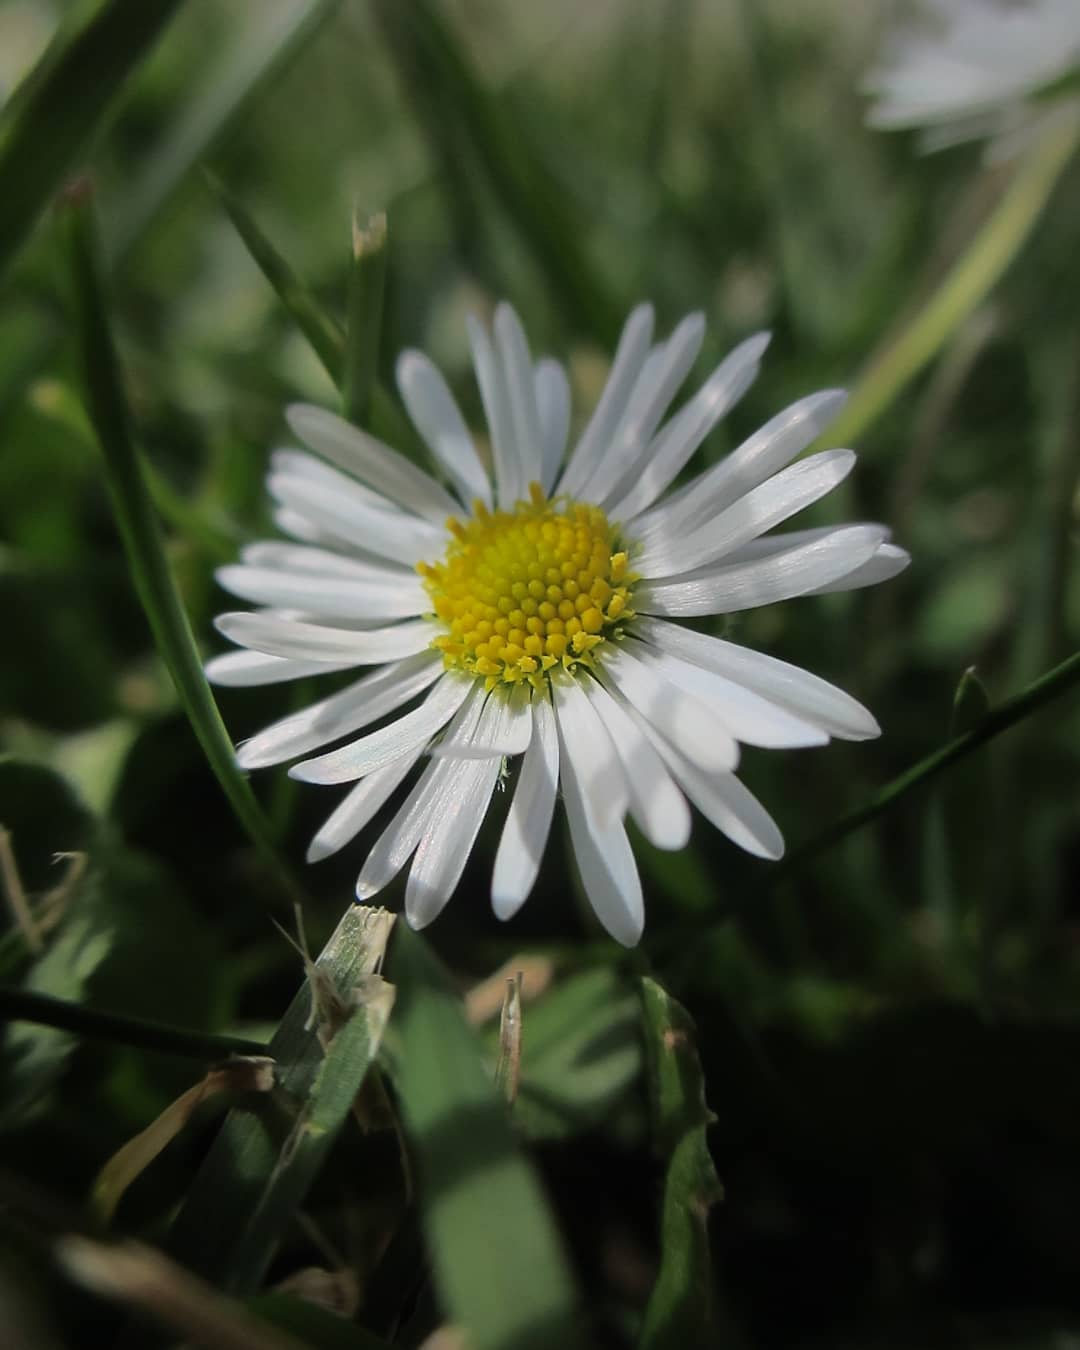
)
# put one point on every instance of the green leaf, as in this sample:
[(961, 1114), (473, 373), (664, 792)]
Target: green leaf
[(680, 1312), (499, 1266), (263, 48), (213, 1233), (367, 281), (581, 1052), (48, 128), (138, 524)]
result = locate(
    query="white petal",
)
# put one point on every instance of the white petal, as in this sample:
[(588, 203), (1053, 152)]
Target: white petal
[(655, 801), (676, 442), (604, 859), (382, 747), (246, 669), (383, 691), (787, 686), (763, 508), (502, 727), (341, 511), (444, 848), (528, 821), (279, 636), (509, 481), (390, 596), (649, 402), (320, 562), (724, 801), (629, 358), (359, 807), (682, 718), (438, 419), (553, 404), (599, 770), (302, 464), (371, 461), (397, 843), (761, 455), (513, 348), (747, 716), (887, 562), (746, 585)]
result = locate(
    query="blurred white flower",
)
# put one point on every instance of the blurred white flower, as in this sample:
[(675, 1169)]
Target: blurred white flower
[(965, 69), (527, 614)]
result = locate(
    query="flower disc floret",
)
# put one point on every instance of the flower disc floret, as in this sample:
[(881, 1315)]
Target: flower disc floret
[(524, 590)]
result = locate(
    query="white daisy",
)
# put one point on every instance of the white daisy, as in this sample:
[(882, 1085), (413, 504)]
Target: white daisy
[(972, 68), (526, 613)]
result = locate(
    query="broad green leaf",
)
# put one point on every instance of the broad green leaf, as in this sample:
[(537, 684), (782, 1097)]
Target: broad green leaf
[(499, 1267), (581, 1051), (681, 1307), (52, 125)]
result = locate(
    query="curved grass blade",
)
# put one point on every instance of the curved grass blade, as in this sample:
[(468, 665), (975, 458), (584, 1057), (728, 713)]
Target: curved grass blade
[(263, 48), (367, 282), (138, 525), (52, 125), (681, 1310), (499, 1266), (211, 1232)]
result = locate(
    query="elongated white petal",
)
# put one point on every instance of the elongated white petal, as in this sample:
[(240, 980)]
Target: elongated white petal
[(382, 747), (680, 438), (317, 562), (371, 461), (388, 597), (598, 767), (655, 801), (359, 807), (787, 686), (303, 464), (509, 480), (278, 636), (763, 508), (383, 691), (889, 561), (502, 726), (647, 405), (757, 458), (745, 585), (513, 349), (751, 719), (444, 848), (724, 801), (238, 670), (681, 717), (604, 857), (629, 358), (528, 821), (437, 417), (397, 843), (340, 511), (553, 406)]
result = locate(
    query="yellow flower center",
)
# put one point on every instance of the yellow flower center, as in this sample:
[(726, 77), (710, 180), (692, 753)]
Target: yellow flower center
[(521, 591)]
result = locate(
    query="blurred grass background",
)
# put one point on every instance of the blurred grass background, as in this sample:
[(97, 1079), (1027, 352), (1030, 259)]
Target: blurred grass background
[(889, 1029)]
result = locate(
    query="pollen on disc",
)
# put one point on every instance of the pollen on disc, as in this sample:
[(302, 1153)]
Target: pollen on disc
[(521, 591)]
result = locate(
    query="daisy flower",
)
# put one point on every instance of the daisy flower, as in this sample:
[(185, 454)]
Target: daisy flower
[(973, 68), (529, 615)]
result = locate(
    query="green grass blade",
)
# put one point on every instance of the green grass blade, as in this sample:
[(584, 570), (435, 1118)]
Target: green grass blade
[(49, 128), (321, 1119), (462, 109), (110, 417), (498, 1263), (992, 250), (263, 48), (211, 1230), (25, 1005), (681, 1310), (367, 282)]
